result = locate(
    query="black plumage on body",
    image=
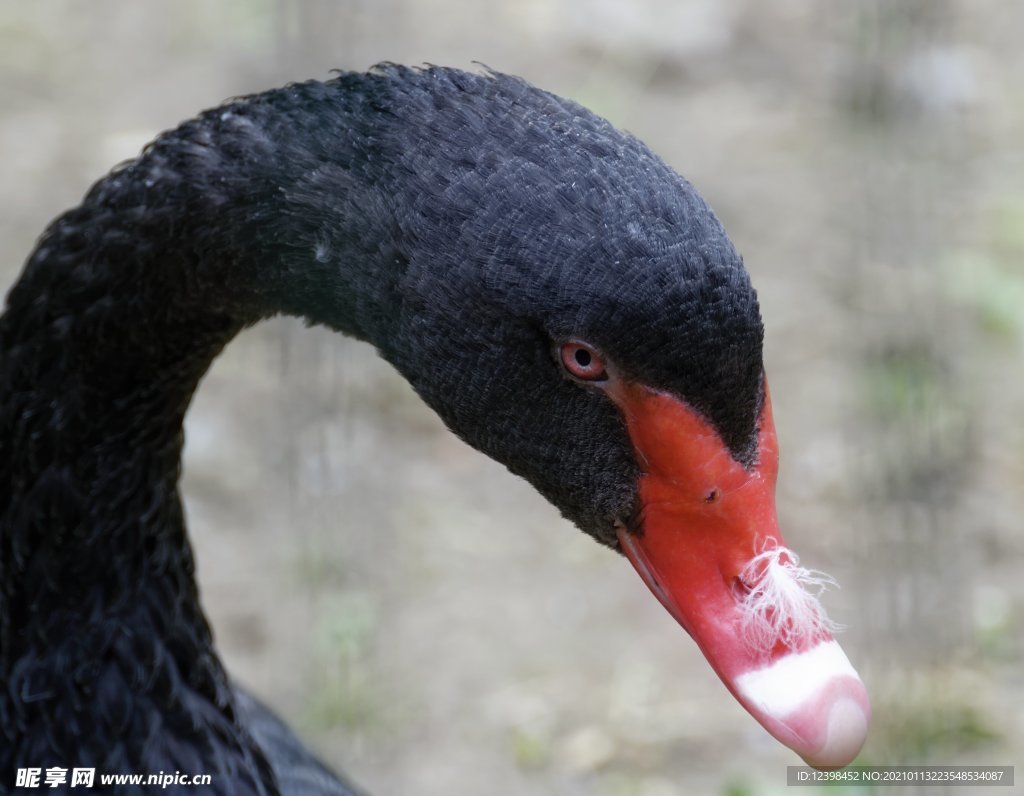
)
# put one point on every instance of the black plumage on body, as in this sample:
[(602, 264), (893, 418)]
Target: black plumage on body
[(461, 223)]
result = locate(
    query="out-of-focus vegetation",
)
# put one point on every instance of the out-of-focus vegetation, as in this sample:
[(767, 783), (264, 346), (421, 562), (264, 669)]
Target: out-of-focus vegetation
[(423, 618)]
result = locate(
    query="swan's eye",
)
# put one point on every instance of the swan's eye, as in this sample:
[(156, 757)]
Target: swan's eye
[(582, 361)]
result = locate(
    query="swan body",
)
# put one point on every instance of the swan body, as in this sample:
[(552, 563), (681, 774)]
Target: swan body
[(566, 303)]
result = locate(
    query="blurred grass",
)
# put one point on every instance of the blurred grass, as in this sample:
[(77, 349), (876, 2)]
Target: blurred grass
[(989, 278), (344, 691)]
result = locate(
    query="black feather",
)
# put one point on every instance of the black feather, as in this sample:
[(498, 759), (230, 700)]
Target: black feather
[(460, 223)]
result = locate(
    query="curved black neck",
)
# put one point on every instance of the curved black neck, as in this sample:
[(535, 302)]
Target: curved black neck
[(461, 223), (120, 311)]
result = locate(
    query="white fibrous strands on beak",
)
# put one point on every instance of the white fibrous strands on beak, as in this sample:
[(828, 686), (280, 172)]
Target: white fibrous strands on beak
[(781, 601)]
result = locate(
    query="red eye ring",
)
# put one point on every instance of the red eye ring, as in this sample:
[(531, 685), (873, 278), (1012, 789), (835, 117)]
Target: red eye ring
[(582, 361)]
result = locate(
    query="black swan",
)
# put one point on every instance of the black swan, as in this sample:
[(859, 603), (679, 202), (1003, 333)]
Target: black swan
[(565, 301)]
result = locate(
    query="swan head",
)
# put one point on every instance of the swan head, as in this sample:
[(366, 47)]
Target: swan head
[(572, 307)]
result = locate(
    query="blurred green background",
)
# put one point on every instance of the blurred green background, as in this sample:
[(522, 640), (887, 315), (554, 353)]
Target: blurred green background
[(423, 618)]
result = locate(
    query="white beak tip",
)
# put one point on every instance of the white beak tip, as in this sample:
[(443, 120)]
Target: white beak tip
[(845, 733)]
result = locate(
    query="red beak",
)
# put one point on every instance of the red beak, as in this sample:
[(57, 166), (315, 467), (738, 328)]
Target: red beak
[(710, 550)]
